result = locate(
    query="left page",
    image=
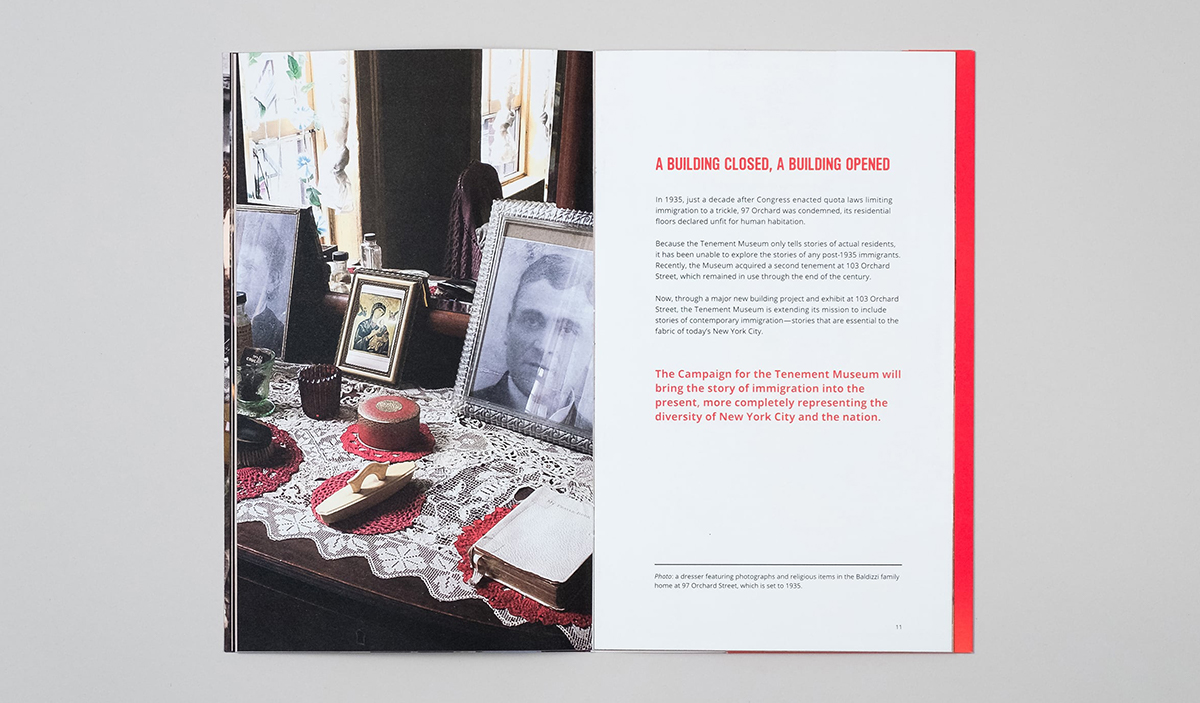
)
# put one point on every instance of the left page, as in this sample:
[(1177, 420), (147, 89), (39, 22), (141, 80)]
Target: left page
[(410, 294)]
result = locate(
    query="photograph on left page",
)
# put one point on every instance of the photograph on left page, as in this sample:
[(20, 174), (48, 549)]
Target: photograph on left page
[(377, 206)]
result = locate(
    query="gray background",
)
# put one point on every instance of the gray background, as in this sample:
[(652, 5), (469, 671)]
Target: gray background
[(1086, 367)]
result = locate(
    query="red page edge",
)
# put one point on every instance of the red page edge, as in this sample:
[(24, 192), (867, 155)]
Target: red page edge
[(964, 352)]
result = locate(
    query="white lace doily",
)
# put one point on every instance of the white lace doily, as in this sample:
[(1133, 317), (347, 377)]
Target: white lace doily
[(474, 469)]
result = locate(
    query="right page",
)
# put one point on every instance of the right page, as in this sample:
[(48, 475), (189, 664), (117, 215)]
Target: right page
[(776, 439)]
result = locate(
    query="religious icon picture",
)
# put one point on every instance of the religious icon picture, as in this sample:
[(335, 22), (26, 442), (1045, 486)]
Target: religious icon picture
[(376, 323)]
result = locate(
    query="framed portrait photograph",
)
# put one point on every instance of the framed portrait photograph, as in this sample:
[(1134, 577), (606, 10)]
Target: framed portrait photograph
[(528, 355), (376, 324), (265, 242)]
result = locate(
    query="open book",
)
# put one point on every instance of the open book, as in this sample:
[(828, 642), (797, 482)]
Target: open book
[(715, 310)]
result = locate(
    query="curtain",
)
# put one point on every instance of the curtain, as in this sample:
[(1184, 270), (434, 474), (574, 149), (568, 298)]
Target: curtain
[(574, 178)]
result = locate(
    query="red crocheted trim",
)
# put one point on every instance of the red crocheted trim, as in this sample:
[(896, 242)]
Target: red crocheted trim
[(354, 445), (392, 515), (253, 481), (502, 597)]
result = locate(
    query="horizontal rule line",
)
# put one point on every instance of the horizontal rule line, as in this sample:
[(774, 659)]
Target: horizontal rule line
[(779, 565)]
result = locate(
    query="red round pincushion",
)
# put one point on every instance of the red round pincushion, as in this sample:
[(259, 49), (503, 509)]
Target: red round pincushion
[(389, 422)]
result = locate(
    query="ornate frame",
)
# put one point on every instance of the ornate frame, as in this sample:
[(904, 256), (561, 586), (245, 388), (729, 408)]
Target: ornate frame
[(239, 236), (413, 289), (504, 214)]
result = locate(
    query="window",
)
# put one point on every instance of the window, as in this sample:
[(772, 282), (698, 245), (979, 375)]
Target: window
[(300, 131), (516, 108)]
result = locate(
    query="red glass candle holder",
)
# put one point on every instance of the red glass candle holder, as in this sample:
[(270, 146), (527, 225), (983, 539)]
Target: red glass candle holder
[(321, 391)]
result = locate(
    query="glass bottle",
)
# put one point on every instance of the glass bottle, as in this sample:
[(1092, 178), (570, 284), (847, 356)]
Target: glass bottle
[(372, 255), (243, 333), (339, 278)]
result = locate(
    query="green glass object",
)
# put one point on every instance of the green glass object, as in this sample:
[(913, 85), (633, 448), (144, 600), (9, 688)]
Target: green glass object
[(254, 381)]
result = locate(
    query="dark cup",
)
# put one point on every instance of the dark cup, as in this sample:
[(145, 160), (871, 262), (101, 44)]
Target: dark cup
[(321, 391)]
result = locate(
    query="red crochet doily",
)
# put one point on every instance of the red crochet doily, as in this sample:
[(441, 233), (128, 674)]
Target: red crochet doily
[(354, 445), (392, 515), (500, 596), (253, 481)]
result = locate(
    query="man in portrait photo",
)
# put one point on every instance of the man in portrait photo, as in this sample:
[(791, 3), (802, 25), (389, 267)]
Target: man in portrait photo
[(264, 273), (549, 337)]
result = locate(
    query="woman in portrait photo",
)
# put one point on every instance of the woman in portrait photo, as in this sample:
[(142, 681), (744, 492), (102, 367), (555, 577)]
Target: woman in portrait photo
[(371, 335)]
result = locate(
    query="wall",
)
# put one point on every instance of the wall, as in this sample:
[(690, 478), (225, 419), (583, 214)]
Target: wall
[(428, 133)]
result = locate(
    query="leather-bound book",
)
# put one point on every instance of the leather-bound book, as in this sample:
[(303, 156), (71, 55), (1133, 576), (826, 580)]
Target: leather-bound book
[(543, 549)]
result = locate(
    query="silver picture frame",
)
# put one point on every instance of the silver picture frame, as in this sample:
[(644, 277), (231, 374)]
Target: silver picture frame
[(528, 356), (265, 246)]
